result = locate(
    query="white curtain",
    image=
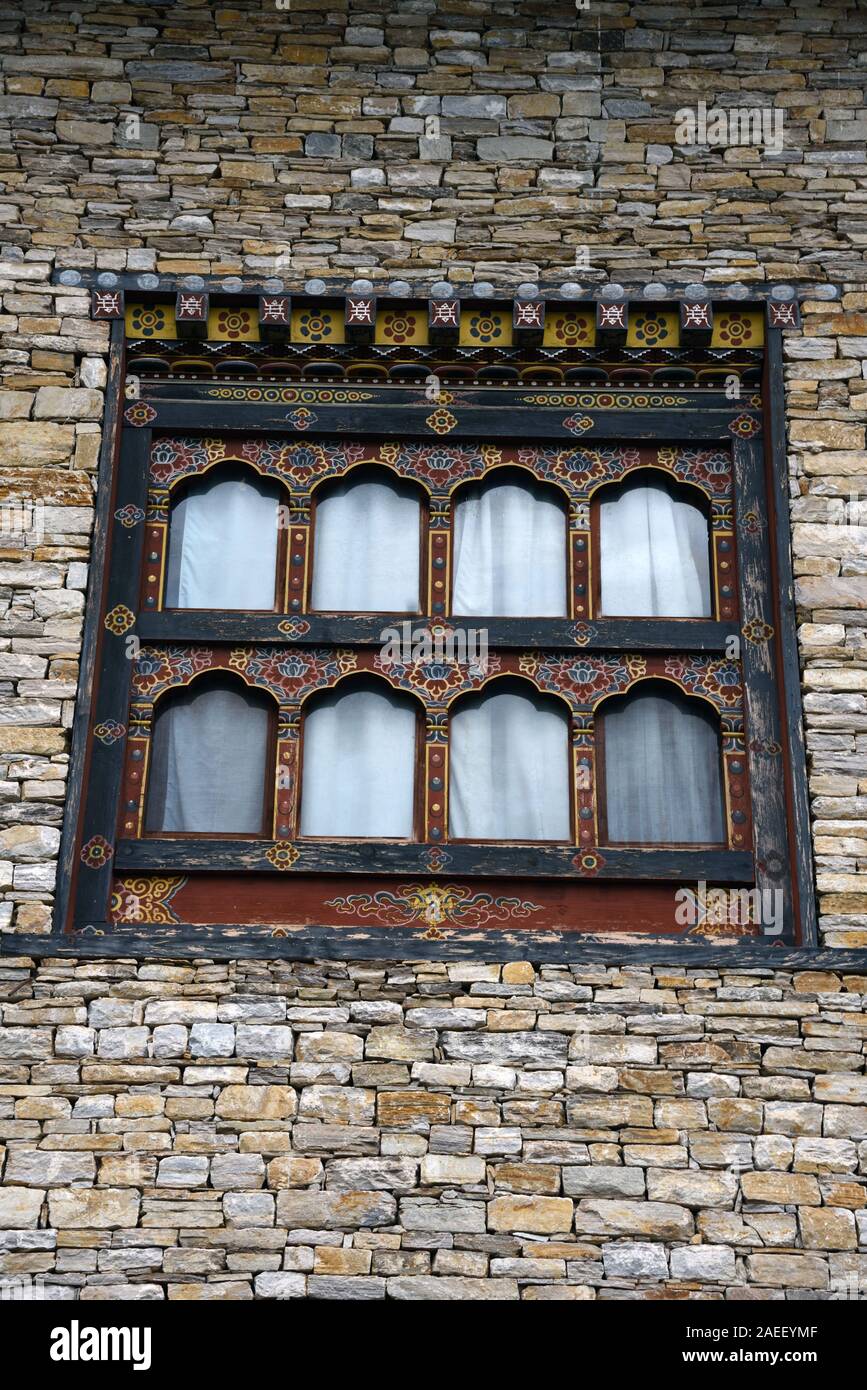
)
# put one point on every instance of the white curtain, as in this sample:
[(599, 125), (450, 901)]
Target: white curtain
[(366, 555), (509, 767), (359, 765), (510, 551), (208, 763), (662, 771), (654, 549), (223, 544)]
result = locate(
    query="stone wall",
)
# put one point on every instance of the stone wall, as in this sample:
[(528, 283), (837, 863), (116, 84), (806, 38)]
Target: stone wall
[(603, 1131), (432, 1131)]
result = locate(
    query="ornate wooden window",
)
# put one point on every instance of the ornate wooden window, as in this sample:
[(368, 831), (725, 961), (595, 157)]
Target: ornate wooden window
[(326, 472)]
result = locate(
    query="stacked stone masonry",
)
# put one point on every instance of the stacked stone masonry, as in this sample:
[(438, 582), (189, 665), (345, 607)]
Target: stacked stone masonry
[(398, 1130), (432, 1131)]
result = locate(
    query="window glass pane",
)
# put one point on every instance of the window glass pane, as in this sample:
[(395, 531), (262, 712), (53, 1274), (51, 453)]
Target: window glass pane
[(366, 545), (654, 547), (223, 544), (509, 766), (662, 770), (359, 764), (510, 550), (209, 761)]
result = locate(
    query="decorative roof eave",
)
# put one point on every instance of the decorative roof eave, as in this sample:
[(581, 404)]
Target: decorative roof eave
[(560, 291), (612, 314)]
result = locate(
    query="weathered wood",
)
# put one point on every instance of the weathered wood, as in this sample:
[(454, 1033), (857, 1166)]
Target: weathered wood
[(67, 865), (395, 944), (479, 415), (613, 634), (471, 422), (281, 395), (787, 643), (115, 647), (763, 730), (175, 854)]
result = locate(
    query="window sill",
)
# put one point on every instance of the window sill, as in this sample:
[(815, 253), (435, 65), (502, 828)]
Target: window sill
[(678, 953)]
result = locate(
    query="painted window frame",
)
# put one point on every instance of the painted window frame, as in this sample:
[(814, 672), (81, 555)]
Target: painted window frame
[(773, 707)]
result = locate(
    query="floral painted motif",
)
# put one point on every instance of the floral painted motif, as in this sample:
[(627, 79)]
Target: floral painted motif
[(96, 853), (436, 859), (129, 515), (719, 680), (485, 328), (653, 330), (745, 426), (293, 674), (709, 468), (734, 329), (578, 424), (441, 421), (441, 467), (301, 419), (119, 620), (315, 328), (282, 855), (757, 631), (158, 668), (139, 414), (145, 900), (433, 905), (435, 681), (232, 325), (767, 746), (401, 326), (109, 731), (585, 680), (582, 633), (150, 321), (571, 330), (588, 862)]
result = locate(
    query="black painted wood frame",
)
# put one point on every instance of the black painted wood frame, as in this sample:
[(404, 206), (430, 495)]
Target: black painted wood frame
[(777, 762)]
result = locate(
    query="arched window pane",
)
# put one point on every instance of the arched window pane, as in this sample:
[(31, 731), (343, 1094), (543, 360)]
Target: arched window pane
[(223, 544), (662, 770), (209, 762), (509, 767), (510, 550), (359, 764), (366, 545), (654, 548)]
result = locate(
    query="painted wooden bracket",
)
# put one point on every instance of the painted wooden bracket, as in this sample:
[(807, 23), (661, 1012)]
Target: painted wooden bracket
[(106, 304), (360, 317), (444, 321), (696, 321), (783, 314), (191, 314), (275, 316), (528, 320), (612, 321)]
